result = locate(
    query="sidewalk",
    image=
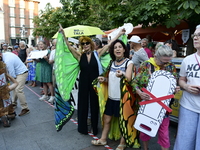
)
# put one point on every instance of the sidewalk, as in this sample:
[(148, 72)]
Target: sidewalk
[(36, 130)]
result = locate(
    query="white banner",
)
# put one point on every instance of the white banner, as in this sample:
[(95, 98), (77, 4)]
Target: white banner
[(37, 54)]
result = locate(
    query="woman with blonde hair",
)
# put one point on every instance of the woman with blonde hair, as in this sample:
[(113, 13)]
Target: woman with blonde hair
[(90, 69)]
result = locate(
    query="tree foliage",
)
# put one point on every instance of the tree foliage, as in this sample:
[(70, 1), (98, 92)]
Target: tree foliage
[(111, 14), (157, 12), (47, 22)]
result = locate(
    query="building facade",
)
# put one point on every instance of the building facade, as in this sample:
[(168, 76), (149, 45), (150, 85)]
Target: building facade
[(16, 19)]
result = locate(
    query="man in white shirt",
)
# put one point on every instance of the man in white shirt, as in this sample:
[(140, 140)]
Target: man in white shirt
[(17, 69)]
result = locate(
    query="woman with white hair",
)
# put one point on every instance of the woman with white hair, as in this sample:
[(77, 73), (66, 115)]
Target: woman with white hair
[(22, 52), (188, 136), (161, 61)]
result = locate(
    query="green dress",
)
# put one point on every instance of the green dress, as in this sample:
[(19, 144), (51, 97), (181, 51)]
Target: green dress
[(45, 71), (38, 71)]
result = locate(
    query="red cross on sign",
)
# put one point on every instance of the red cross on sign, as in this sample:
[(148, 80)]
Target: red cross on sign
[(158, 100), (2, 82)]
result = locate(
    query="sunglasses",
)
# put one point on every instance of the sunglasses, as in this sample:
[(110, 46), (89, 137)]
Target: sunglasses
[(87, 43)]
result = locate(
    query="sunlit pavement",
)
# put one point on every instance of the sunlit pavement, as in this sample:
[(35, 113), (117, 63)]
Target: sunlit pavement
[(36, 130)]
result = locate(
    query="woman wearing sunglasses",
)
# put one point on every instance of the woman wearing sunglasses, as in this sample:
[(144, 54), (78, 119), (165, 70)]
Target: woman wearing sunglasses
[(89, 70)]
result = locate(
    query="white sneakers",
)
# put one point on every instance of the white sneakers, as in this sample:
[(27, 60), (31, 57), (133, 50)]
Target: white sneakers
[(51, 100), (44, 97)]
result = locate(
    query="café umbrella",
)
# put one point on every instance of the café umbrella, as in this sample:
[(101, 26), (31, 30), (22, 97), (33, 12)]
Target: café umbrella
[(80, 30)]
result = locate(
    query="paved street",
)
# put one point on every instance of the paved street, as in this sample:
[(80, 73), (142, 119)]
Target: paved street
[(36, 131)]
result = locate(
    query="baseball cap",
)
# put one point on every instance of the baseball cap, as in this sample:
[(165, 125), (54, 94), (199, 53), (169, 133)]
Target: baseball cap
[(16, 46), (135, 39), (5, 45)]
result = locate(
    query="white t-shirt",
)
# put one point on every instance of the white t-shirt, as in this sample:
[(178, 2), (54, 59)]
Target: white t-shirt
[(191, 70), (114, 91), (52, 56)]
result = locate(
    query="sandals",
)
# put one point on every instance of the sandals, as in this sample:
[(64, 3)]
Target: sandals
[(98, 142), (120, 147), (5, 121)]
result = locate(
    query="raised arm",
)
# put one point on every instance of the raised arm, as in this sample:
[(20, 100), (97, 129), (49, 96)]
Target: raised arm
[(105, 48), (75, 53)]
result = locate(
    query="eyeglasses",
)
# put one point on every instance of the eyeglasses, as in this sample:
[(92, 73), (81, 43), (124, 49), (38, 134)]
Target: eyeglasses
[(197, 35), (162, 63), (87, 43)]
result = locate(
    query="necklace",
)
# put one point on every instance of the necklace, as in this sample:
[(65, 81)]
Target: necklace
[(119, 60), (88, 52)]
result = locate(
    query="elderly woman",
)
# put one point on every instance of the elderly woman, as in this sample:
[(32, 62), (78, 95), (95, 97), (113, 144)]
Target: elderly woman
[(45, 74), (161, 61), (188, 136), (89, 64)]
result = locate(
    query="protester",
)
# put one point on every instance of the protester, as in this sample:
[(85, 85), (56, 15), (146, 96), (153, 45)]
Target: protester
[(31, 65), (144, 43), (7, 111), (97, 44), (1, 48), (5, 48), (16, 50), (140, 54), (51, 61), (17, 69), (188, 136), (172, 44), (161, 61), (89, 70), (121, 66), (46, 74), (22, 52), (150, 43)]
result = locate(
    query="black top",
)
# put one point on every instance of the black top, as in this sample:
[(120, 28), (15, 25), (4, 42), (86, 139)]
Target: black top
[(22, 55)]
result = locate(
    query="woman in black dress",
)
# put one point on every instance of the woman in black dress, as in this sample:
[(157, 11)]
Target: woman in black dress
[(89, 70)]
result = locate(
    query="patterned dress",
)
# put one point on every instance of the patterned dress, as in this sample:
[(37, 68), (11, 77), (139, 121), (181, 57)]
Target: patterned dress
[(144, 74), (45, 71), (31, 70)]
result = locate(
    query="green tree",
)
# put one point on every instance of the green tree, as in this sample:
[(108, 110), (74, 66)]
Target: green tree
[(47, 22), (87, 12), (157, 12)]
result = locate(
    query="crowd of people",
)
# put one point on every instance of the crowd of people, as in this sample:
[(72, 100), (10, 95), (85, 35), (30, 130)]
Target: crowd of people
[(132, 64)]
